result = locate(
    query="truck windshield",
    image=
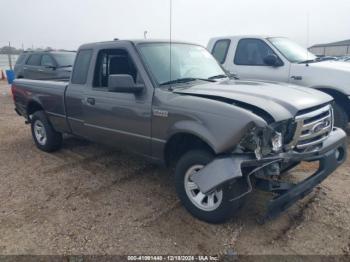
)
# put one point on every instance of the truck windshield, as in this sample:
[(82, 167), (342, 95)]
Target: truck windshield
[(291, 50), (65, 59), (187, 62)]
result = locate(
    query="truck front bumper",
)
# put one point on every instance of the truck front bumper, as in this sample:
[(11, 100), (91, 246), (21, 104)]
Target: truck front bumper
[(225, 169)]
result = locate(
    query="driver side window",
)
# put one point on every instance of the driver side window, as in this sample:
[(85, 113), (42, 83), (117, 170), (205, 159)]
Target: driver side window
[(251, 52), (113, 62)]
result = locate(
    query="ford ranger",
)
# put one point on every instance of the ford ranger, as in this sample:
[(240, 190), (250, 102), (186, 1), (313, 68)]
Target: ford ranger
[(173, 104), (280, 59)]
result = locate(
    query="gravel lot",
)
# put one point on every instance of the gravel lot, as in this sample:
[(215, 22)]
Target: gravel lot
[(90, 199)]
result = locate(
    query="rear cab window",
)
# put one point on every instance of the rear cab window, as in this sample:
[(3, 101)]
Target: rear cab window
[(220, 50), (81, 67), (34, 60)]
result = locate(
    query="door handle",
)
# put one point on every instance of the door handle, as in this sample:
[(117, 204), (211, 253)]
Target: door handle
[(90, 101), (297, 77), (40, 70)]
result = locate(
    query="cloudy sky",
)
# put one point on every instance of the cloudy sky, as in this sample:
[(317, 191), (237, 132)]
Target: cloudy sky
[(69, 23)]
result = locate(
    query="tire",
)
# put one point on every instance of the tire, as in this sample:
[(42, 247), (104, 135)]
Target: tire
[(220, 208), (341, 118), (45, 137)]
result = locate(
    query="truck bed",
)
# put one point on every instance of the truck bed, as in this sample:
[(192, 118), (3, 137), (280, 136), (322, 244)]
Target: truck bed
[(50, 94)]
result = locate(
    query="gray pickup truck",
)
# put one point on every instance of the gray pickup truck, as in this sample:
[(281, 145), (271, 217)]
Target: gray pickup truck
[(174, 104)]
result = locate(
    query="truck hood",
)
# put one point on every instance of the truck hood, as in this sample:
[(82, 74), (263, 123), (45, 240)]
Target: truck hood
[(281, 101), (332, 65)]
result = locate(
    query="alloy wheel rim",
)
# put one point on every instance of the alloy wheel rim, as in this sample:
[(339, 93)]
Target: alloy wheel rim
[(205, 202), (40, 132)]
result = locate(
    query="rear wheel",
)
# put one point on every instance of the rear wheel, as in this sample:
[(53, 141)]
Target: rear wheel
[(214, 207), (341, 118), (45, 137)]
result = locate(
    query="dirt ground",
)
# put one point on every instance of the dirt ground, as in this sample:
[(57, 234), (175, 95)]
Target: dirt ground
[(90, 199)]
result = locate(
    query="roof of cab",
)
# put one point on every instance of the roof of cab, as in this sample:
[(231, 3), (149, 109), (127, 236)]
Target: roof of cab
[(132, 41), (240, 36)]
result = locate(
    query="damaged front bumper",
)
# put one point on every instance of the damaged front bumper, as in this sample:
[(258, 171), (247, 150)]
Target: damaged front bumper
[(226, 169)]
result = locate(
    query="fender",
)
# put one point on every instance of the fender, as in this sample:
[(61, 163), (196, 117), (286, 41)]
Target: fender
[(219, 139), (330, 89), (33, 101), (193, 128), (339, 96)]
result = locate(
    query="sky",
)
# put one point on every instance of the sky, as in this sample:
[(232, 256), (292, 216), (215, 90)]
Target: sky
[(70, 23)]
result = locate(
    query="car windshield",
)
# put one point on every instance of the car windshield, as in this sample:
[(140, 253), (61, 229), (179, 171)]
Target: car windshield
[(65, 59), (188, 62), (291, 50)]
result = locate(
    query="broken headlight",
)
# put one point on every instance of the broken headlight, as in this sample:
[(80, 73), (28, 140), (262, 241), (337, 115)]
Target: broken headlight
[(262, 141), (277, 142)]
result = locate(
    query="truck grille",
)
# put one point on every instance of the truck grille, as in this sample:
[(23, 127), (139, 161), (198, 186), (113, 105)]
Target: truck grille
[(312, 128)]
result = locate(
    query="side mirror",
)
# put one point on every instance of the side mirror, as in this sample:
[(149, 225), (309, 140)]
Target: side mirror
[(272, 60), (230, 74), (123, 84)]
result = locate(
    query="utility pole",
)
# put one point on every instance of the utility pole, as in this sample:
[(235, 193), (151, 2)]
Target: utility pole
[(9, 56)]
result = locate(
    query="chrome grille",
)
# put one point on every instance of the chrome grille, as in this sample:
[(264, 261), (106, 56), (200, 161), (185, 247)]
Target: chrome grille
[(312, 128)]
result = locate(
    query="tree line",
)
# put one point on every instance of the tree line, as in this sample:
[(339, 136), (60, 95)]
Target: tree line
[(14, 51)]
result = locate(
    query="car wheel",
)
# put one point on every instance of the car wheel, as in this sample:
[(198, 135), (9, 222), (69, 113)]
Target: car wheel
[(214, 207), (340, 116), (45, 137)]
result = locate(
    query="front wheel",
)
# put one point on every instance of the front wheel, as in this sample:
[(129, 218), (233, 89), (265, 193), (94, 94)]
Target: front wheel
[(341, 118), (214, 207)]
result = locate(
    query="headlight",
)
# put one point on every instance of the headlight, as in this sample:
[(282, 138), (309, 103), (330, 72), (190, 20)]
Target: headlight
[(262, 141), (277, 142)]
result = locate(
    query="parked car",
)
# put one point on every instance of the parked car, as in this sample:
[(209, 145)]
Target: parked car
[(327, 58), (45, 65), (280, 59), (223, 136), (345, 58)]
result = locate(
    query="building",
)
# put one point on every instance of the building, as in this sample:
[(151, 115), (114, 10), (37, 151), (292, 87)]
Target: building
[(340, 48)]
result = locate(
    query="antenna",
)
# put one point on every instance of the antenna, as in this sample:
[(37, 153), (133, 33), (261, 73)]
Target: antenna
[(170, 32), (307, 35)]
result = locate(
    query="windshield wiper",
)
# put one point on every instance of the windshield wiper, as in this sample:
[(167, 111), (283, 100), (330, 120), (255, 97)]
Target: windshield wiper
[(217, 77), (184, 80), (310, 61), (65, 66)]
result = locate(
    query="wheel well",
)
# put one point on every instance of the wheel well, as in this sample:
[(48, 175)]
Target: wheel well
[(179, 144), (339, 98), (33, 107)]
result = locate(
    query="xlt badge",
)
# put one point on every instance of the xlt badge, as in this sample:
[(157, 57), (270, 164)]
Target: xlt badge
[(160, 113)]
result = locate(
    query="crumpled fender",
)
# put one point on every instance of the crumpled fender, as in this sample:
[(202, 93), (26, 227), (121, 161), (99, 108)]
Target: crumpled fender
[(218, 172), (226, 168)]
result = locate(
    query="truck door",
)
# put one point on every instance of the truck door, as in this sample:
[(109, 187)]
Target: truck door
[(118, 118), (75, 93), (250, 61)]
